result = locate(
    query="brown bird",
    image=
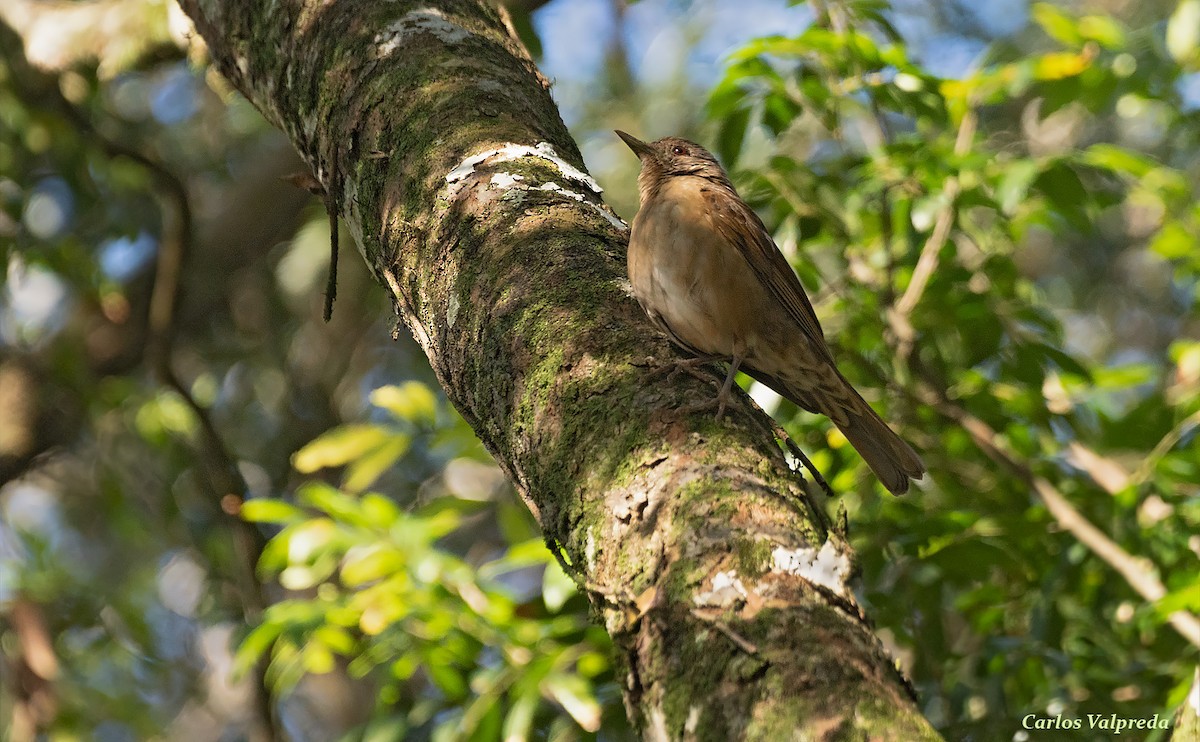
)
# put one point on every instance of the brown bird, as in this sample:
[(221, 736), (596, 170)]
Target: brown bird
[(706, 271)]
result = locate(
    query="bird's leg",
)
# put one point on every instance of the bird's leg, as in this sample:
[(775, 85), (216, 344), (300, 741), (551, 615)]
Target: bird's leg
[(723, 396)]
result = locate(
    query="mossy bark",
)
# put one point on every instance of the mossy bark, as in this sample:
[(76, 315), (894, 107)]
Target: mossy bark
[(696, 542)]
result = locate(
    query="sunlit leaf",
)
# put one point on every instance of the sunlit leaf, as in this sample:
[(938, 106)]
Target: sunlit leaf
[(1103, 29), (519, 720), (271, 511), (1175, 241), (366, 469), (1057, 65), (339, 447), (1118, 159), (412, 401), (1183, 31), (1057, 24), (576, 697), (364, 564), (318, 660), (257, 643), (557, 587)]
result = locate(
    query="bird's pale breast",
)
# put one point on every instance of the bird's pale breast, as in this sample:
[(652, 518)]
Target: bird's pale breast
[(701, 287)]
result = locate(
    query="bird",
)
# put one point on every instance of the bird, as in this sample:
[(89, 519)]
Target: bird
[(705, 270)]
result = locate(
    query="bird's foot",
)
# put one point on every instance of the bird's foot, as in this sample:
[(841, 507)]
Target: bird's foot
[(719, 402), (692, 366), (673, 367)]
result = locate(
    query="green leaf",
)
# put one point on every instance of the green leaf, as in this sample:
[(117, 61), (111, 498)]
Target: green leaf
[(1014, 186), (318, 660), (336, 638), (557, 587), (363, 472), (1061, 186), (591, 664), (1104, 30), (1060, 65), (731, 134), (1064, 361), (1183, 31), (1174, 241), (339, 447), (385, 730), (380, 510), (271, 511), (447, 679), (1184, 599), (575, 695), (1118, 160), (528, 553), (257, 643), (364, 564), (333, 502), (411, 401), (1123, 377), (1057, 24), (519, 719)]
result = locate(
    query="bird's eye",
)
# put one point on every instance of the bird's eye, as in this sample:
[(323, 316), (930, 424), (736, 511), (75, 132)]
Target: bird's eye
[(677, 149)]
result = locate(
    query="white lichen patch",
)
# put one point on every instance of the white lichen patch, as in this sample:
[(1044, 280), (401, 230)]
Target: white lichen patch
[(552, 186), (544, 150), (727, 588), (506, 180), (828, 567), (422, 20), (456, 178), (509, 152), (613, 219), (656, 727)]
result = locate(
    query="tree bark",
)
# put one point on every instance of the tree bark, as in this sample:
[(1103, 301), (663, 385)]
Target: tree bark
[(725, 590)]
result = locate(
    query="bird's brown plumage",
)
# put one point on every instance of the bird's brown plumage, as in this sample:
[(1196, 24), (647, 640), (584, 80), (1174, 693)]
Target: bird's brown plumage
[(706, 271)]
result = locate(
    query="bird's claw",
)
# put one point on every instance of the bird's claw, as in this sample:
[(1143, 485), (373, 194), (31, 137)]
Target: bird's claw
[(675, 366), (720, 402), (692, 367)]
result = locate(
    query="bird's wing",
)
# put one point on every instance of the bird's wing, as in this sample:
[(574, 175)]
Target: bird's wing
[(740, 226)]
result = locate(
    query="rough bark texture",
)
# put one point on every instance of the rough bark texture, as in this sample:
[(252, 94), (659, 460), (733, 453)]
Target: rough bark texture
[(723, 587)]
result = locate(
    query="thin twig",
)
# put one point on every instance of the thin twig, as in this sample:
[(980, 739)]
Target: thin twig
[(1105, 472), (1139, 572), (1164, 446), (928, 261)]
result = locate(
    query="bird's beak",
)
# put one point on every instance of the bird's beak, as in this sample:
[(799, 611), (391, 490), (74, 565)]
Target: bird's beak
[(640, 148)]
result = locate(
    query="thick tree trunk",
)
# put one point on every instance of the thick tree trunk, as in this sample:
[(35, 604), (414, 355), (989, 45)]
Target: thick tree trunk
[(723, 587)]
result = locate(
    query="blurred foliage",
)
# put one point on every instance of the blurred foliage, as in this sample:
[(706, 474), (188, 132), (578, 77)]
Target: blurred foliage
[(1052, 182), (502, 649), (1004, 612)]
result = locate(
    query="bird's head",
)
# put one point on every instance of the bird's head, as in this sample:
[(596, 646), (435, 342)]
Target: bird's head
[(671, 157)]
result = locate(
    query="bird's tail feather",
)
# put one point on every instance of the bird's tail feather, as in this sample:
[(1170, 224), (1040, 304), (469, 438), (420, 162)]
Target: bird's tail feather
[(892, 460)]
